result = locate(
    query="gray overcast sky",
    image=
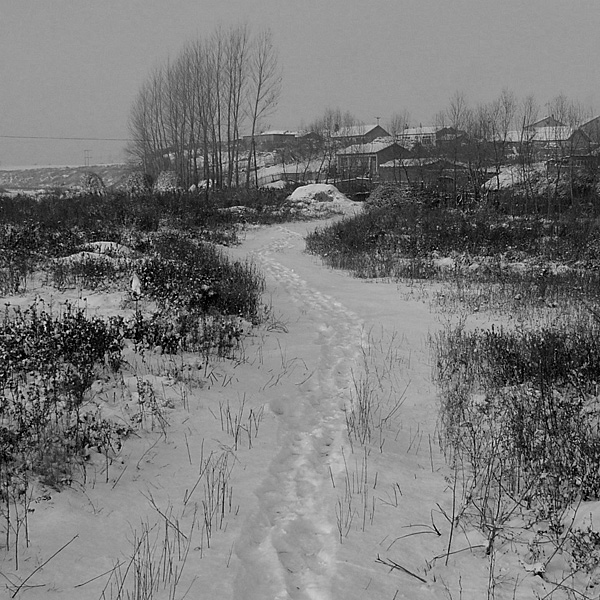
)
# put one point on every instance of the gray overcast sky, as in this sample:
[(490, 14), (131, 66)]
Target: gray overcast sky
[(71, 68)]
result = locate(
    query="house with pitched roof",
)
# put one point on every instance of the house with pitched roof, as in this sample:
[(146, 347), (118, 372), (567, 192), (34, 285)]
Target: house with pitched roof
[(437, 171), (411, 136), (358, 134), (591, 130), (364, 160), (543, 138)]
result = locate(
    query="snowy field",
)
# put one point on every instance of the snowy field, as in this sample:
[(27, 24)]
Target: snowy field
[(304, 502)]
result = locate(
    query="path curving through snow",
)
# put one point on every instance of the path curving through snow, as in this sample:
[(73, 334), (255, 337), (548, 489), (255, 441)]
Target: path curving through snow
[(287, 549), (322, 516)]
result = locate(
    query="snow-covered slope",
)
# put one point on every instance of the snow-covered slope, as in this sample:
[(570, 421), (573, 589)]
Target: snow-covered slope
[(301, 509)]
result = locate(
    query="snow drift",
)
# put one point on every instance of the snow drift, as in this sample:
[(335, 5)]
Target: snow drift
[(317, 192)]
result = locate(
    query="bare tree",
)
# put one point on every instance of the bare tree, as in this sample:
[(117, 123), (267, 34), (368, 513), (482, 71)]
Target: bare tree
[(146, 125), (332, 127), (264, 90), (397, 123), (488, 130), (527, 113), (569, 115), (235, 83), (497, 121), (458, 118)]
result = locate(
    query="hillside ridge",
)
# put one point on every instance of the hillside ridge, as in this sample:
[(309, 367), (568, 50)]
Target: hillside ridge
[(50, 177)]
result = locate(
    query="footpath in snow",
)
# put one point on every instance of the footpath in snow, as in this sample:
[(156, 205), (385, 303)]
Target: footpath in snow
[(307, 538)]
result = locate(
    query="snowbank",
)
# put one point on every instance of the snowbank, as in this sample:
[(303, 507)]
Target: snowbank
[(275, 185), (317, 192), (321, 199)]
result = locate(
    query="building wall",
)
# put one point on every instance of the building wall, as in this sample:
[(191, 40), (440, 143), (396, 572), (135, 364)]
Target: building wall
[(592, 130), (440, 175), (367, 164)]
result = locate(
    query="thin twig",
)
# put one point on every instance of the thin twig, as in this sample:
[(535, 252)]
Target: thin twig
[(44, 564), (98, 576), (394, 565)]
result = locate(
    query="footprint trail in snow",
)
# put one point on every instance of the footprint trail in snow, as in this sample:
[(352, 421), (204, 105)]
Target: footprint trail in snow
[(287, 549)]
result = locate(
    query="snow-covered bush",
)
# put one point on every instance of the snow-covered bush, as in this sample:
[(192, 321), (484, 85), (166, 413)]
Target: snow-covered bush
[(167, 181), (91, 183), (385, 194), (138, 183)]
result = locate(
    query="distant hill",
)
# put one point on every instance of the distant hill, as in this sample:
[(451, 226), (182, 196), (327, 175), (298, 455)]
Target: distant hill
[(36, 178)]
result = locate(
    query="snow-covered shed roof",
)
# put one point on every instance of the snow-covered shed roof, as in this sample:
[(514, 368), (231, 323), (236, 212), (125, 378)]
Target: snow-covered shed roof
[(279, 132), (370, 148), (420, 162), (355, 130), (540, 134), (416, 131)]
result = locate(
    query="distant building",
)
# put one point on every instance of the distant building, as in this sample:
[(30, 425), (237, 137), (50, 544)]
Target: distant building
[(548, 121), (438, 172), (591, 129), (450, 136), (411, 136), (359, 134), (270, 140), (364, 160), (429, 137), (544, 138)]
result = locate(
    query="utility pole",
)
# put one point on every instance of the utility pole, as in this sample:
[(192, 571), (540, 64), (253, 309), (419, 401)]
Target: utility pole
[(86, 157)]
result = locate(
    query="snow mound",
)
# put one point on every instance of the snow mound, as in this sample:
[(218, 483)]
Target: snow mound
[(319, 200), (275, 185), (120, 262), (109, 248), (317, 192)]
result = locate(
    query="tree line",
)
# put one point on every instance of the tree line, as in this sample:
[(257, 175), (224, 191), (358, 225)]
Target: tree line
[(189, 113)]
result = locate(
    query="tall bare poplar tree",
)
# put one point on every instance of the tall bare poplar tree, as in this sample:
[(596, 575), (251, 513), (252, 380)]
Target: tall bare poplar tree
[(458, 117), (264, 90), (527, 114)]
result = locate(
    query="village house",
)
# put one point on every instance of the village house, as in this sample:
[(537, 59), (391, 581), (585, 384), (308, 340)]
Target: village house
[(358, 134), (545, 138), (450, 137), (271, 140), (411, 136), (424, 172), (364, 160), (587, 136)]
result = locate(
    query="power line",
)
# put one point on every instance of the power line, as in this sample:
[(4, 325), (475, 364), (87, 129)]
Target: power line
[(47, 137)]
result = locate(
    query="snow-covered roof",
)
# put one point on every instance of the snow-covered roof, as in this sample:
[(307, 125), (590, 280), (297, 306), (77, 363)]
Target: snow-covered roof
[(353, 131), (279, 132), (540, 134), (371, 148), (419, 162), (548, 121), (416, 131), (551, 134), (511, 176)]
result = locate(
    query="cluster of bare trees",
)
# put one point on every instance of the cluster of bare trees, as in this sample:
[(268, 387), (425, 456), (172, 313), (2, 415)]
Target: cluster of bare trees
[(332, 129), (190, 113)]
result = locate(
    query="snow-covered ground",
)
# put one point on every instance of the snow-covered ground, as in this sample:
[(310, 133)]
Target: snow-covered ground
[(304, 512)]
